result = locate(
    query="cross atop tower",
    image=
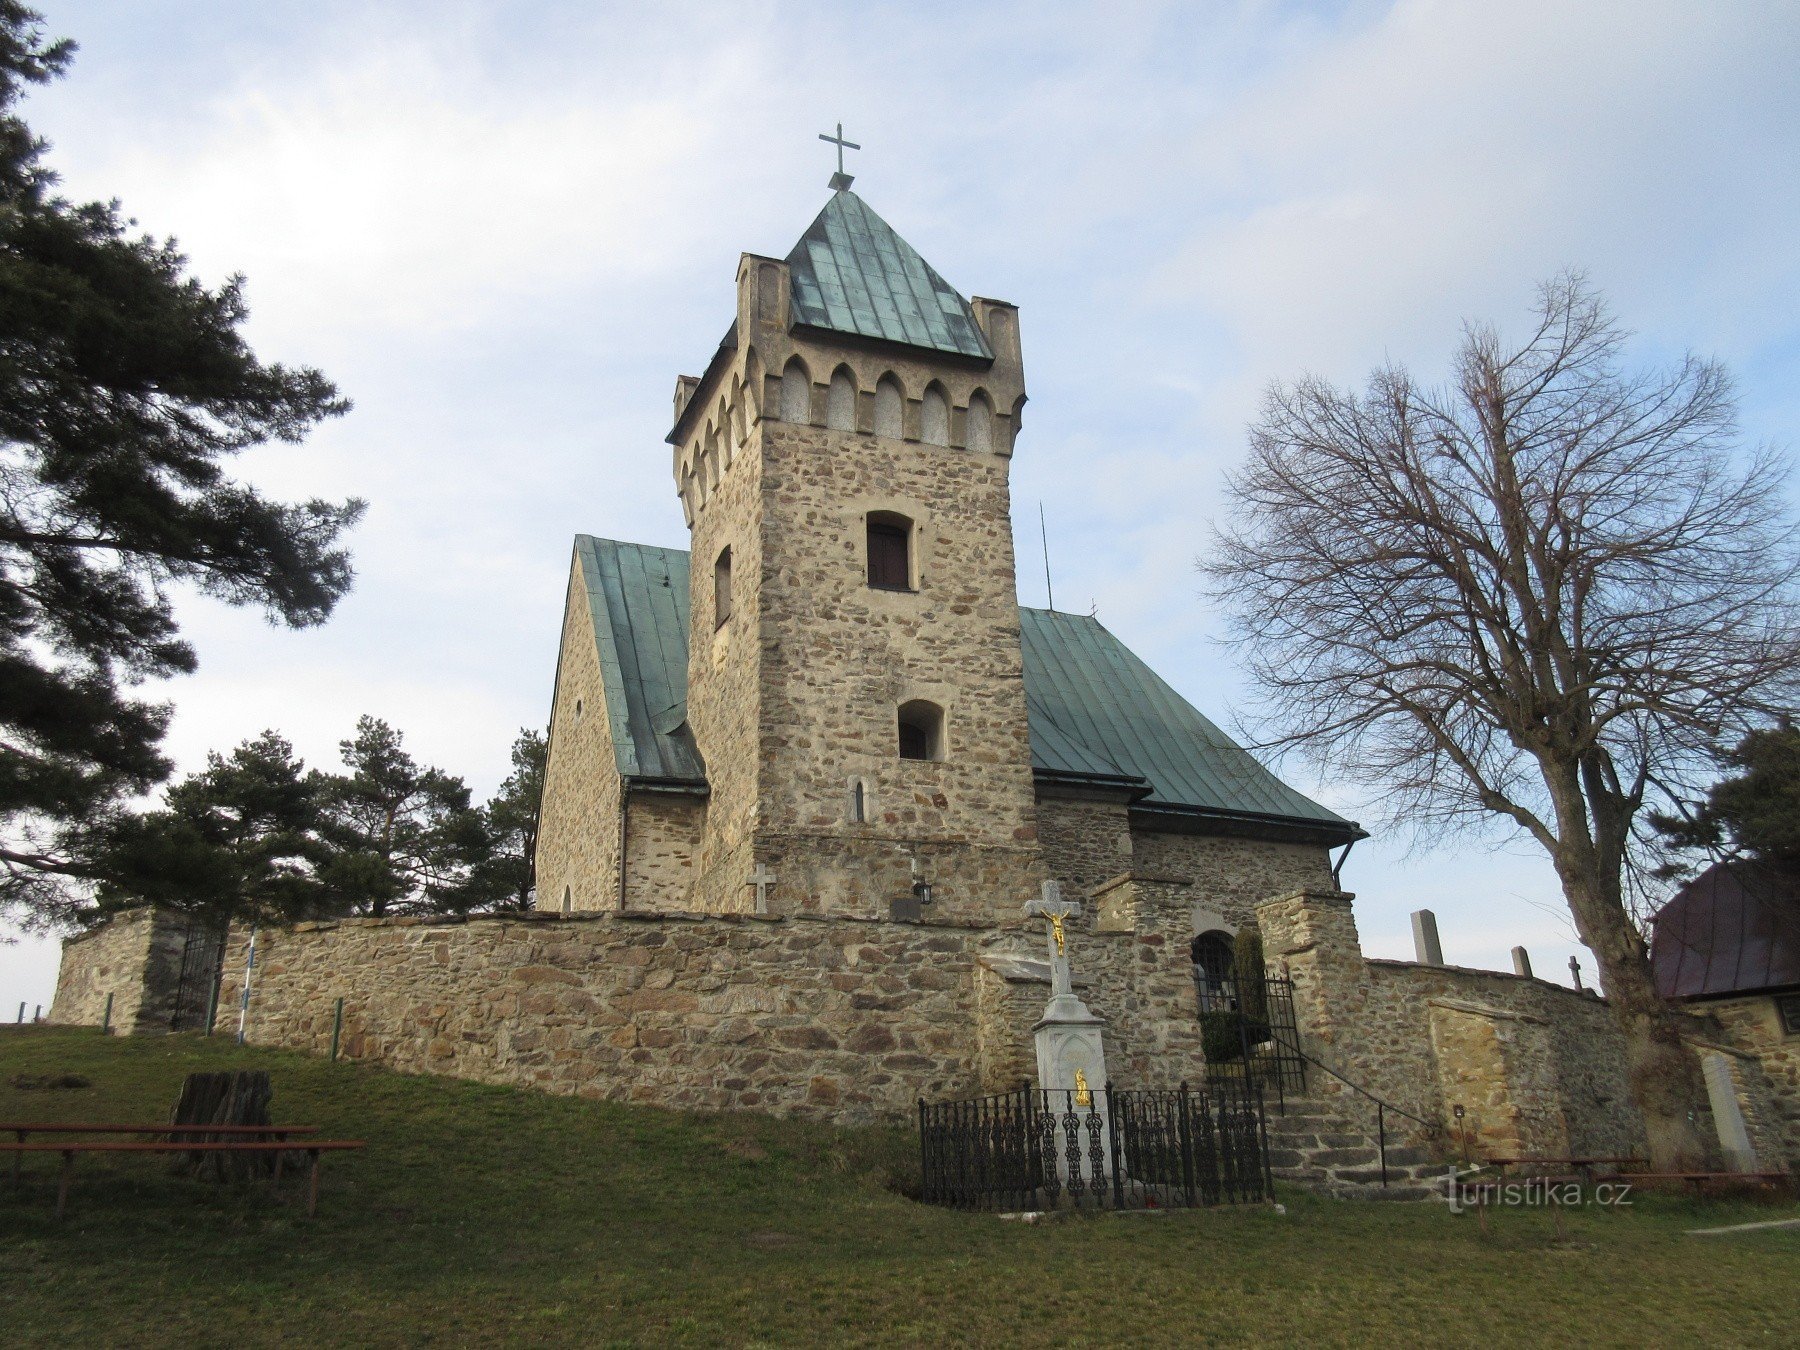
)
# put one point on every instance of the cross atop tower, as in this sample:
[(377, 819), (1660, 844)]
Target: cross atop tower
[(840, 180)]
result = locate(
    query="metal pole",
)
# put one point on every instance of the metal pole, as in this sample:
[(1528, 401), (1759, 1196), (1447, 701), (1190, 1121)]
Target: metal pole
[(244, 998), (1381, 1136), (212, 998), (106, 1018), (337, 1026)]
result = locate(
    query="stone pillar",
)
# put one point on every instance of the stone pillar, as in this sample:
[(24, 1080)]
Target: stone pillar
[(1427, 950), (1312, 936), (1521, 962)]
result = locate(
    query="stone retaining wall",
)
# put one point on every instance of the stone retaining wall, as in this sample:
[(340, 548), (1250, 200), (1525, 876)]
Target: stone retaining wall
[(813, 1015), (136, 958)]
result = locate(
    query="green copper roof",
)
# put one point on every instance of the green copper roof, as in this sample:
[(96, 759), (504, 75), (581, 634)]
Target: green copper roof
[(1096, 713), (1086, 690), (639, 599), (852, 274)]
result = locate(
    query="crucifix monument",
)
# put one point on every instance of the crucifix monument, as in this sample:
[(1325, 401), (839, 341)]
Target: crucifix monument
[(1070, 1056)]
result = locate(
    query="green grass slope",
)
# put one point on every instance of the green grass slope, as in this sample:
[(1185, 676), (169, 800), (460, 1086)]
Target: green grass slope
[(490, 1216)]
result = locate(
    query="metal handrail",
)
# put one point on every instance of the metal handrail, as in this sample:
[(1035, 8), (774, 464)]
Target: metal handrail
[(1382, 1107)]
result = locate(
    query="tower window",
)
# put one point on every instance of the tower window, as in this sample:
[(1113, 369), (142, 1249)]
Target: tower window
[(859, 802), (890, 552), (921, 730), (722, 588)]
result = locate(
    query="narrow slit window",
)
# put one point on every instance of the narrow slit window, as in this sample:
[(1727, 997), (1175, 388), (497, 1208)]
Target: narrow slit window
[(859, 806), (890, 552), (722, 588)]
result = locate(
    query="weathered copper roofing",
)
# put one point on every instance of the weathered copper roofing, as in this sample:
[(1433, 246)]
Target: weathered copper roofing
[(1734, 929), (1097, 715), (1095, 709), (850, 273), (638, 596)]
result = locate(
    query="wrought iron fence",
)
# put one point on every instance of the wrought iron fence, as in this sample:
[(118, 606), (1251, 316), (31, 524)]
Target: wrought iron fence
[(1255, 1037), (1038, 1149)]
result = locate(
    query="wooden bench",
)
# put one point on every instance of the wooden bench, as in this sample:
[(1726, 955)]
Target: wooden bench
[(313, 1148), (1698, 1182), (23, 1129), (1584, 1167)]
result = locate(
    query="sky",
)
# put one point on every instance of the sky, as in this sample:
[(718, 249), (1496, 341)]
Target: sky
[(505, 228)]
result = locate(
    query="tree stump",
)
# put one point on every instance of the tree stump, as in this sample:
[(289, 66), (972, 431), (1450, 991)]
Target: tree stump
[(237, 1098)]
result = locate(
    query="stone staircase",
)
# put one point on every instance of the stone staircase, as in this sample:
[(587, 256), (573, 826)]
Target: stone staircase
[(1324, 1143)]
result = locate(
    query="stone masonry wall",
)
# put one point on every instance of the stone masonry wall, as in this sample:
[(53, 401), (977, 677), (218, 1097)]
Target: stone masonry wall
[(1584, 1079), (135, 957), (828, 1016), (1085, 843), (578, 836), (1231, 876), (1754, 1025), (662, 835), (807, 1016)]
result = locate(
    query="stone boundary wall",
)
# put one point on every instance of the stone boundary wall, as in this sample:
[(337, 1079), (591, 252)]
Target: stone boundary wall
[(136, 957), (1583, 1080), (830, 1017), (849, 1018)]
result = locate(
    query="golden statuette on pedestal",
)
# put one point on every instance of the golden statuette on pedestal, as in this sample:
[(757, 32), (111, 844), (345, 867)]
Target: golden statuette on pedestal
[(1082, 1096)]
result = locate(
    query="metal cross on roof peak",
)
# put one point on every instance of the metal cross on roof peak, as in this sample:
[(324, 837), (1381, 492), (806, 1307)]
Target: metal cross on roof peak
[(840, 180)]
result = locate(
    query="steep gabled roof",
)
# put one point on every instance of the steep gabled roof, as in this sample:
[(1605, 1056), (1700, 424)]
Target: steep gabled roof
[(638, 596), (1097, 715), (850, 273), (1734, 929)]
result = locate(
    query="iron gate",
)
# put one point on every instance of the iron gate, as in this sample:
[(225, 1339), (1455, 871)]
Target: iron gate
[(202, 958), (1255, 1037)]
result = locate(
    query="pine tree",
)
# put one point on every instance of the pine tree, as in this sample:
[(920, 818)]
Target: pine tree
[(401, 836), (506, 875), (239, 840), (125, 389), (1755, 812)]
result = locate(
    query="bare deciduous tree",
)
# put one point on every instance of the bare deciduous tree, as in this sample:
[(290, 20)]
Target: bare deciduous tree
[(1542, 595)]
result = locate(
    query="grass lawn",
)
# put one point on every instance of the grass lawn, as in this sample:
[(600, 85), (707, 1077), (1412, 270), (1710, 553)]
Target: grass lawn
[(483, 1216)]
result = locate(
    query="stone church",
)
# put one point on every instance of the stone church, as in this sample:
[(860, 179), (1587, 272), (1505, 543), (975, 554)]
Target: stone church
[(833, 702), (805, 776)]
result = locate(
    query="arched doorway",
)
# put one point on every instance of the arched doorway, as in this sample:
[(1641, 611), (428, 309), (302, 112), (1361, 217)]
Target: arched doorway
[(1212, 953)]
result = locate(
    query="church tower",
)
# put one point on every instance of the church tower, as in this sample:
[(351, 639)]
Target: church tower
[(854, 681)]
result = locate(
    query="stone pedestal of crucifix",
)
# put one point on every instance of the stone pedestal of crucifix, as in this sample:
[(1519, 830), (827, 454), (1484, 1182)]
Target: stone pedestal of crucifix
[(1071, 1059)]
